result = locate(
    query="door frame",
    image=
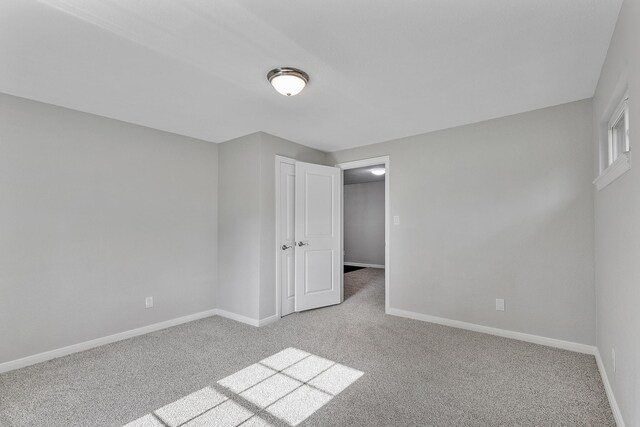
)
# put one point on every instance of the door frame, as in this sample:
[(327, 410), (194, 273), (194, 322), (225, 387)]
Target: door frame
[(278, 160), (387, 178)]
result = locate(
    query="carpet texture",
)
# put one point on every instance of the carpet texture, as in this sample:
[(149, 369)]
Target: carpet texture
[(414, 373)]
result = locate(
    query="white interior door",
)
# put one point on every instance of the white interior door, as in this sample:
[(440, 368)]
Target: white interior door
[(317, 234), (286, 238)]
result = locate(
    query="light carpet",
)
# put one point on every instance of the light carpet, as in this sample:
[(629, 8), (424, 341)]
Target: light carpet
[(413, 373)]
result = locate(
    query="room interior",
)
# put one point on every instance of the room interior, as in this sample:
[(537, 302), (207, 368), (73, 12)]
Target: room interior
[(363, 221), (142, 248)]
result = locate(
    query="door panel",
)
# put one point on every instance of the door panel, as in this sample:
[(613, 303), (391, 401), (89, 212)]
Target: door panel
[(287, 238), (318, 268), (290, 207), (317, 226), (291, 279), (318, 208)]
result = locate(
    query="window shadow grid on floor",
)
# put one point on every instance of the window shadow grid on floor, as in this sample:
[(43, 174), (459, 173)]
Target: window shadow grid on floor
[(256, 410)]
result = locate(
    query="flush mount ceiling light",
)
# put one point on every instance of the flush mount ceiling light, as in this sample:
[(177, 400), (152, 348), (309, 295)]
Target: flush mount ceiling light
[(288, 81), (378, 171)]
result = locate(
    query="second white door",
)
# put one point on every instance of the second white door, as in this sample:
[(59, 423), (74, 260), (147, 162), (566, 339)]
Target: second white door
[(286, 238)]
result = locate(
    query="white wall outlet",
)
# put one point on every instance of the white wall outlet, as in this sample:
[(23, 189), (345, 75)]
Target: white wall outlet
[(396, 220), (613, 358), (499, 304), (148, 302)]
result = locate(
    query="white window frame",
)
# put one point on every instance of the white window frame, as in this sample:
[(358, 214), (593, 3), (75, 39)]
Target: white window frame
[(617, 162), (621, 113)]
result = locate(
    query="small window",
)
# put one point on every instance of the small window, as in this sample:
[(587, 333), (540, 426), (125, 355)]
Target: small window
[(619, 132)]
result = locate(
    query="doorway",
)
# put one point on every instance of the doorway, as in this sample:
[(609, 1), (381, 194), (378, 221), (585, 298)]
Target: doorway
[(363, 219), (310, 234), (365, 223)]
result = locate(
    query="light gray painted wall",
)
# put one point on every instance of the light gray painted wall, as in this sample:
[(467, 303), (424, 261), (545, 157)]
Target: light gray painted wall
[(247, 221), (497, 209), (239, 226), (364, 223), (617, 223), (95, 215)]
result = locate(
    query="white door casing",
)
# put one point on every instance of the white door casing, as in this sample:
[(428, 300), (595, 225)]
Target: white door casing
[(286, 237), (318, 211)]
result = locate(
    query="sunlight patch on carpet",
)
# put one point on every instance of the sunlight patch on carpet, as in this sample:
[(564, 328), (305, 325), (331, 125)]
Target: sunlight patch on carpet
[(290, 385)]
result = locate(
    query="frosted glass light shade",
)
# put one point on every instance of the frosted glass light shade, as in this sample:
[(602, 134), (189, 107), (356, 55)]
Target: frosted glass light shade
[(288, 81), (288, 85), (378, 171)]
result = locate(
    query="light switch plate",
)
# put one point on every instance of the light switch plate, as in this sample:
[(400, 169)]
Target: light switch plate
[(499, 304), (396, 220), (148, 302)]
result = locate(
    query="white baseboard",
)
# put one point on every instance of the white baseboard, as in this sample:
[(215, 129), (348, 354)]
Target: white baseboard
[(536, 339), (238, 317), (245, 319), (87, 345), (268, 320), (617, 415), (59, 352), (360, 264)]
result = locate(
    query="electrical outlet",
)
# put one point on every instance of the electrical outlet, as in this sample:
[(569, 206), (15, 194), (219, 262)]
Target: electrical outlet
[(499, 304), (613, 358), (148, 302)]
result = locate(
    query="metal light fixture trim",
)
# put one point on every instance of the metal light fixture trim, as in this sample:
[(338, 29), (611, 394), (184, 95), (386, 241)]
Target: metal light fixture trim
[(288, 81)]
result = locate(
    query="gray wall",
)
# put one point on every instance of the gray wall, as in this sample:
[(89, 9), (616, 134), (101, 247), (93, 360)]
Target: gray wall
[(498, 209), (247, 221), (239, 226), (617, 223), (364, 223), (95, 215)]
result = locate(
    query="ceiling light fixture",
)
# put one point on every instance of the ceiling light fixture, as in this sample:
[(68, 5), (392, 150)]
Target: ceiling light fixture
[(288, 81), (378, 171)]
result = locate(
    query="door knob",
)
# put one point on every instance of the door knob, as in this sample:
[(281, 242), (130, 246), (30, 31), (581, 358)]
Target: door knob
[(285, 247), (303, 243)]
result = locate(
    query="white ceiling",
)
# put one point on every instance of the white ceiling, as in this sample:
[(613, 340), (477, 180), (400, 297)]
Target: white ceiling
[(362, 175), (379, 70)]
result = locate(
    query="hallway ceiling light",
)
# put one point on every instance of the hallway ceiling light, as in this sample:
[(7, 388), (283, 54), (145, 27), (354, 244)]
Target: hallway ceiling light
[(378, 171), (288, 81)]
